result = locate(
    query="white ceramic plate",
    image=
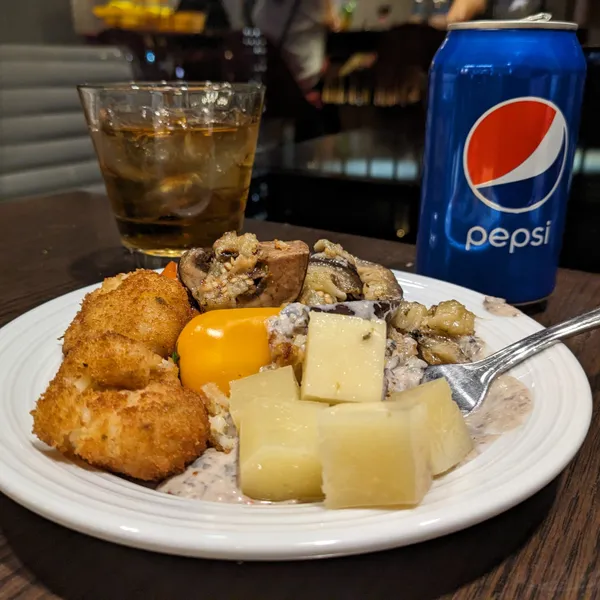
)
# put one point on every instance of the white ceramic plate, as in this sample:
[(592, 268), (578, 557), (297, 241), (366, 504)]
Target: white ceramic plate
[(108, 507)]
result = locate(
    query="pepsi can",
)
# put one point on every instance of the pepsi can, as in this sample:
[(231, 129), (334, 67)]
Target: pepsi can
[(503, 117)]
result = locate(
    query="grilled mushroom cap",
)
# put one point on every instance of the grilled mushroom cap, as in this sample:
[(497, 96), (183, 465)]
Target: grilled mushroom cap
[(270, 276), (286, 264), (193, 268)]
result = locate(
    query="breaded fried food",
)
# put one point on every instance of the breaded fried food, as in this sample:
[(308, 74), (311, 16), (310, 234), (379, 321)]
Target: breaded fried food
[(142, 305), (121, 407)]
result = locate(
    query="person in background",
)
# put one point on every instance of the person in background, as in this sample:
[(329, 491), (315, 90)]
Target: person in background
[(299, 29)]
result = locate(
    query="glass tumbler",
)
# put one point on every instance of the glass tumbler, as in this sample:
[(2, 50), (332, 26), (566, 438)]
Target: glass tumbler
[(176, 159)]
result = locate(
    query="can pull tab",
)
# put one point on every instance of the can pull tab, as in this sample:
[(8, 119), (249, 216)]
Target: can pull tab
[(544, 17)]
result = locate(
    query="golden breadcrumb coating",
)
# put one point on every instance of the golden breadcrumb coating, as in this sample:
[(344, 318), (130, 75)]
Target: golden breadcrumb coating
[(121, 407), (142, 305)]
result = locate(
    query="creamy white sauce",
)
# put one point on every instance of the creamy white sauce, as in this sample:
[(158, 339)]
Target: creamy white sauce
[(403, 368), (213, 476), (474, 348), (499, 307), (401, 377), (506, 407)]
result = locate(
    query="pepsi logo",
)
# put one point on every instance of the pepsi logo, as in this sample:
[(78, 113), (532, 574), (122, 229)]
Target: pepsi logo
[(515, 154)]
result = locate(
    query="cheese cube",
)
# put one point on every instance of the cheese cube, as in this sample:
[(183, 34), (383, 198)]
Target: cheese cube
[(278, 384), (374, 454), (344, 359), (450, 440), (279, 457)]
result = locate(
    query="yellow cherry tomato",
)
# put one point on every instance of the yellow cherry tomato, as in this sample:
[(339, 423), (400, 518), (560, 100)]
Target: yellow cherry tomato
[(222, 345)]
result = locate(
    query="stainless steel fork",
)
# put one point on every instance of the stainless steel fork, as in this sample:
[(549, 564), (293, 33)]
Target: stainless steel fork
[(470, 382)]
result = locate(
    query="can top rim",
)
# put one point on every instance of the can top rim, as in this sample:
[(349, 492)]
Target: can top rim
[(524, 24)]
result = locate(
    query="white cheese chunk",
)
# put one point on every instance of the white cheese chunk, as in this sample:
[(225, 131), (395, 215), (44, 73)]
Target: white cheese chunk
[(276, 384), (279, 457), (448, 433), (374, 454), (344, 359)]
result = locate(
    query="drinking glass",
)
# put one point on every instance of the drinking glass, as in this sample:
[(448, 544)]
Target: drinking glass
[(176, 159)]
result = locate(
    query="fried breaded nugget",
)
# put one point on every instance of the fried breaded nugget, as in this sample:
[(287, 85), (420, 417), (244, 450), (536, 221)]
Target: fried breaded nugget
[(142, 305), (121, 407)]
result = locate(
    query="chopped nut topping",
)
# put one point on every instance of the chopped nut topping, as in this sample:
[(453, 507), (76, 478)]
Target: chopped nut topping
[(281, 245)]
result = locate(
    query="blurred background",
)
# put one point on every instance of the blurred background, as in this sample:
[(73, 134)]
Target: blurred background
[(341, 138)]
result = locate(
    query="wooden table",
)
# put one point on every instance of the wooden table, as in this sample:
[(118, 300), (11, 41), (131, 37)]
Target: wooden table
[(546, 548)]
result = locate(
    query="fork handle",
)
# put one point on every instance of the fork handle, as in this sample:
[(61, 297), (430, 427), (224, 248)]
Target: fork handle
[(512, 355)]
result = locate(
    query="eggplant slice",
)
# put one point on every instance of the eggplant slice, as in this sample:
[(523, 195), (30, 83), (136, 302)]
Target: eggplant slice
[(440, 350), (330, 280), (379, 283), (445, 332), (335, 275), (449, 318)]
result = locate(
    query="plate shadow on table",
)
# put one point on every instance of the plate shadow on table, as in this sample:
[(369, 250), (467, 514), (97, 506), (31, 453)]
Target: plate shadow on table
[(75, 566)]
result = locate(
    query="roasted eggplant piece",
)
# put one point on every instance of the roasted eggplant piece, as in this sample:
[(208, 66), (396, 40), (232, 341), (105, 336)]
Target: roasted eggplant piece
[(330, 280), (440, 331), (410, 317), (451, 318), (379, 283), (240, 271), (439, 350), (335, 275), (448, 318)]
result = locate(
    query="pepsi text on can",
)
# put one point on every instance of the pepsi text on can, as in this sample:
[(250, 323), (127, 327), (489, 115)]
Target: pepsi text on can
[(501, 136)]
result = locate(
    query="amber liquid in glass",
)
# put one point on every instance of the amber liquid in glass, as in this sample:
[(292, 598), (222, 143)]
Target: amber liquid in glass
[(178, 185)]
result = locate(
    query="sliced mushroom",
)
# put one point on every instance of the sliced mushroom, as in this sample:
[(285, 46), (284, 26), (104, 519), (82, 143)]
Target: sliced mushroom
[(241, 272), (286, 265), (193, 268)]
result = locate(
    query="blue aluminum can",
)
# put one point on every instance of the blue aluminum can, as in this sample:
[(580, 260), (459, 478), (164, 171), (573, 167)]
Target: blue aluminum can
[(503, 118)]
